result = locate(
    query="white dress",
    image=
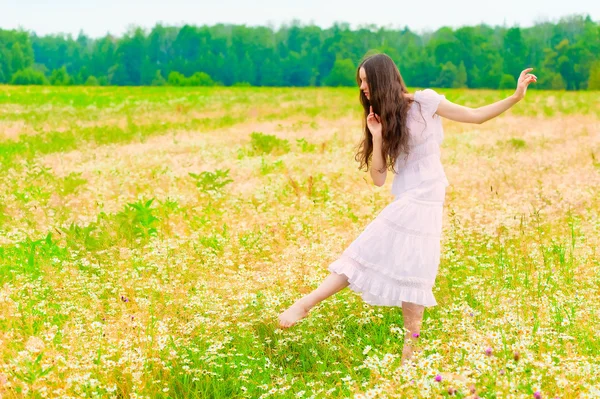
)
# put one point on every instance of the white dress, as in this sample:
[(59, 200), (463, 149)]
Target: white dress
[(396, 258)]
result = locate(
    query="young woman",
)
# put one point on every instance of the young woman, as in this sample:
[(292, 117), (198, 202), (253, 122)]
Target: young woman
[(394, 261)]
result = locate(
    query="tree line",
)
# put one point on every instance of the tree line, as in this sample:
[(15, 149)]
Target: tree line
[(564, 55)]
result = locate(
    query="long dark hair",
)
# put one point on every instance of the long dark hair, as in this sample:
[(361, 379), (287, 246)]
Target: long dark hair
[(386, 90)]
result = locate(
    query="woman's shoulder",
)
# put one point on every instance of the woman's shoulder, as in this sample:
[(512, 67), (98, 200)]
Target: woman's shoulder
[(426, 93), (429, 98)]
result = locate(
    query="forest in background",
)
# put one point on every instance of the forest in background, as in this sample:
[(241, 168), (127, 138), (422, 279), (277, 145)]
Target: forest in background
[(563, 53)]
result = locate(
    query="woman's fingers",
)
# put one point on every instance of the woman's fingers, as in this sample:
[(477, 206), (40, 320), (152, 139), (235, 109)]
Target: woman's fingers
[(528, 78), (373, 116), (525, 71)]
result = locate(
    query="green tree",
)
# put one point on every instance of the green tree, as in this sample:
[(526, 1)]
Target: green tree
[(507, 82), (60, 77), (200, 79), (558, 82), (594, 79), (296, 71), (92, 81), (17, 57), (176, 79), (460, 80), (270, 73), (447, 76), (343, 73), (130, 56), (158, 79), (552, 81), (28, 76), (514, 52)]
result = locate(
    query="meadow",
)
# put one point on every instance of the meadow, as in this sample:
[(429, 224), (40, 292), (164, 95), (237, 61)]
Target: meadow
[(149, 237)]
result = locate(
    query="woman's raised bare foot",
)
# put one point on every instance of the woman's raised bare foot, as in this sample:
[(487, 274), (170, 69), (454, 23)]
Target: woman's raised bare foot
[(291, 316)]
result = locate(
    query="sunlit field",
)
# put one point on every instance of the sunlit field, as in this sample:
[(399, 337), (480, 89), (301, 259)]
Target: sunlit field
[(149, 237)]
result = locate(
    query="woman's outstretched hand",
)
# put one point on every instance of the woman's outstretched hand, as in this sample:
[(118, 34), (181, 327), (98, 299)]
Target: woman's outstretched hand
[(374, 124), (524, 80)]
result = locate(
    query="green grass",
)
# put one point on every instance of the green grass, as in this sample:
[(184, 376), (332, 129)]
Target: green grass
[(151, 236)]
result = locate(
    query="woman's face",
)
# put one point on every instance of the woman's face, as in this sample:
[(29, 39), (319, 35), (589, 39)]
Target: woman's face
[(364, 87)]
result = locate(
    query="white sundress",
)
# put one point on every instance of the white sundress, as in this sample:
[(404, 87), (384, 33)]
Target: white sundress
[(396, 258)]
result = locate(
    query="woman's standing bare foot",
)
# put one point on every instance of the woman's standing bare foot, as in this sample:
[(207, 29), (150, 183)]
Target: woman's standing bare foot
[(408, 351)]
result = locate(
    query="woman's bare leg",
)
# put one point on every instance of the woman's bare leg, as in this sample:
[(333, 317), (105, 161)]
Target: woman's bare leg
[(332, 284), (413, 317)]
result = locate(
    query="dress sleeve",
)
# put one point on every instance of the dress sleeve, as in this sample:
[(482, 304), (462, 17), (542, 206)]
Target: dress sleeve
[(429, 100)]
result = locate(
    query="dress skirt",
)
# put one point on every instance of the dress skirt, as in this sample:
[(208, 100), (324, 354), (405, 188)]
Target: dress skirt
[(396, 257)]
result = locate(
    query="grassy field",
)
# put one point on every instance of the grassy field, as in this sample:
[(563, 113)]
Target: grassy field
[(149, 237)]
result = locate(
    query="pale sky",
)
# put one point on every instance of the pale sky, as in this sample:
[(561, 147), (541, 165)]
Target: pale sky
[(97, 17)]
